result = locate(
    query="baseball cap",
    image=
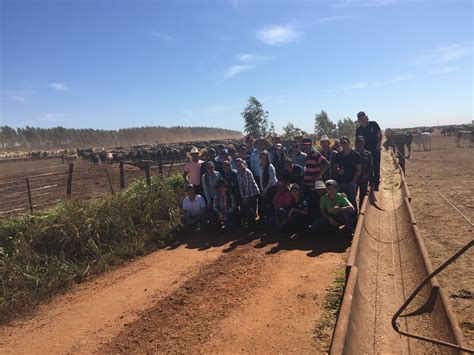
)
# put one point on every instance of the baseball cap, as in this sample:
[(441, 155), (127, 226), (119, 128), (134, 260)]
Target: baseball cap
[(278, 146), (361, 114), (307, 141), (331, 183), (344, 139)]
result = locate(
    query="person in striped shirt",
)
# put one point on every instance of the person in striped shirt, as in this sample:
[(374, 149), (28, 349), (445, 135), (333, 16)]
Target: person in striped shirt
[(315, 165)]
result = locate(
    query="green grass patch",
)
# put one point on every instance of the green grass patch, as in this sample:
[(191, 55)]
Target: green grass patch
[(46, 252), (327, 321)]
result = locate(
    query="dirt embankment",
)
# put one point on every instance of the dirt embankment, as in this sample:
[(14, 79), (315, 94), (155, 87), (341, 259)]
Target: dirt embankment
[(251, 293)]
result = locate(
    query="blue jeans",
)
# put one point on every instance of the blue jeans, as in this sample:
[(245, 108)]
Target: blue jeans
[(343, 218), (350, 190)]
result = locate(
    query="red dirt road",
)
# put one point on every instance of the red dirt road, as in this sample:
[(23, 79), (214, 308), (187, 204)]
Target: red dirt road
[(255, 294)]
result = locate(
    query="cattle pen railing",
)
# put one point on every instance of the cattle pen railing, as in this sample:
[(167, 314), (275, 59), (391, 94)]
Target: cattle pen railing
[(36, 189), (377, 286)]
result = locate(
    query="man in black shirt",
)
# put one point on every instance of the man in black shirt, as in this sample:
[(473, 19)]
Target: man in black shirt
[(367, 172), (370, 130), (293, 173), (347, 168)]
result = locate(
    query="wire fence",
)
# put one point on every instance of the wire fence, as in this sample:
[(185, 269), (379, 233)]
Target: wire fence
[(31, 190)]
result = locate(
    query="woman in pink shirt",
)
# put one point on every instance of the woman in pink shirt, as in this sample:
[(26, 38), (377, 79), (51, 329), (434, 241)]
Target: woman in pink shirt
[(282, 202)]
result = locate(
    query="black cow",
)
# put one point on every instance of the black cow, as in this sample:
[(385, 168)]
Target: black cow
[(398, 141)]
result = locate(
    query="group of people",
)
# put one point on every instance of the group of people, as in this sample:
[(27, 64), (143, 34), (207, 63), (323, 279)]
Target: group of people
[(287, 188)]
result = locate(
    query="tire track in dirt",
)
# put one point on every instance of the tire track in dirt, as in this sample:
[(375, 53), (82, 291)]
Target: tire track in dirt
[(94, 312), (249, 300), (234, 293)]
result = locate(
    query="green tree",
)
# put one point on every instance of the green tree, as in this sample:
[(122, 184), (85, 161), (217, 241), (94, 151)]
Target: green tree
[(289, 131), (323, 125), (256, 119), (346, 127), (8, 137)]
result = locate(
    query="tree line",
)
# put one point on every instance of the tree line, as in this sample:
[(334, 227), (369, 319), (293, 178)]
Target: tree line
[(258, 124), (60, 137)]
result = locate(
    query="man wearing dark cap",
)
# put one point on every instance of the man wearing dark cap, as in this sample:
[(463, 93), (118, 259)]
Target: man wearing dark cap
[(346, 169), (367, 171), (370, 130)]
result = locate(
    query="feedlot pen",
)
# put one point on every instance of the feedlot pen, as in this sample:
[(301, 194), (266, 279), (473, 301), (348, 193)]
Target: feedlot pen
[(47, 182)]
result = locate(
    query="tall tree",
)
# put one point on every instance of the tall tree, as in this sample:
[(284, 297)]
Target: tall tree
[(323, 125), (256, 119), (346, 127), (289, 131)]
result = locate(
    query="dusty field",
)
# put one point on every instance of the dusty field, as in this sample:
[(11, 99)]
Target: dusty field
[(48, 182), (450, 170), (234, 293)]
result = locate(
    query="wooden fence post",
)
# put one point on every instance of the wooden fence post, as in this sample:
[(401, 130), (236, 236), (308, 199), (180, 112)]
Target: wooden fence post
[(110, 181), (29, 194), (171, 166), (148, 174), (122, 175), (69, 180), (160, 164)]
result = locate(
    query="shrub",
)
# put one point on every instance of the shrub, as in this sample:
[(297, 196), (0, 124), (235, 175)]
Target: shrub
[(48, 251)]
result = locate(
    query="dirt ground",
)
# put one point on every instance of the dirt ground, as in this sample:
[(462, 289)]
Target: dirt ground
[(234, 293), (450, 170)]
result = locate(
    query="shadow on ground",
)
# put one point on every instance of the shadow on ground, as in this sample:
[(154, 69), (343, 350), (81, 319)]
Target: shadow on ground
[(264, 236)]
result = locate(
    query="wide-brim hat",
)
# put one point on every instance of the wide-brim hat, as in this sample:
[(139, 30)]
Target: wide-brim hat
[(324, 137), (194, 150), (319, 185), (262, 144)]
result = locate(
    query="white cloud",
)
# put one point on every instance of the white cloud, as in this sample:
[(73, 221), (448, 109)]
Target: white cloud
[(19, 96), (233, 70), (372, 84), (162, 35), (250, 58), (443, 70), (334, 18), (453, 52), (275, 35), (58, 86)]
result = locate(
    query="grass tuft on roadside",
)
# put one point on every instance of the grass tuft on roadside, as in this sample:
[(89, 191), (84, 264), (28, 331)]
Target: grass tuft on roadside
[(327, 321), (46, 252)]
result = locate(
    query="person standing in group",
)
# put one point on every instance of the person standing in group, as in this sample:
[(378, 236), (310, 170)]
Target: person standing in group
[(249, 191), (367, 171), (192, 170), (209, 183), (347, 168), (278, 160), (372, 133), (224, 206), (211, 157), (315, 165), (328, 153), (268, 183), (244, 154), (298, 157), (293, 173)]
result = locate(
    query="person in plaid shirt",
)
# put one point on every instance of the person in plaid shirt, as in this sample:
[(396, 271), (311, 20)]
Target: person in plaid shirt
[(249, 191), (224, 205)]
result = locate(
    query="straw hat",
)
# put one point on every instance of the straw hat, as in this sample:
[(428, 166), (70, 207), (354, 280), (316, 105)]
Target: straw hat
[(194, 150)]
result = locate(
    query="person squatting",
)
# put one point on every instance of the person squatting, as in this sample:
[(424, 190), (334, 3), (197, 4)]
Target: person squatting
[(290, 189)]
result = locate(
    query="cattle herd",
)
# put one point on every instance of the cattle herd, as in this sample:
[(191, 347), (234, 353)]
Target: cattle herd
[(176, 152)]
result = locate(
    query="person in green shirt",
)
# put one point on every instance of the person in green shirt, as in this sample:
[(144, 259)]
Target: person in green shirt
[(336, 210)]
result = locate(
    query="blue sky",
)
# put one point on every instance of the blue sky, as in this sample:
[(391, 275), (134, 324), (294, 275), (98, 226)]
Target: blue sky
[(114, 64)]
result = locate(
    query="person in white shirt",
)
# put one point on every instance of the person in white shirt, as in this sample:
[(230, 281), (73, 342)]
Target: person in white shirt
[(192, 170), (194, 208)]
